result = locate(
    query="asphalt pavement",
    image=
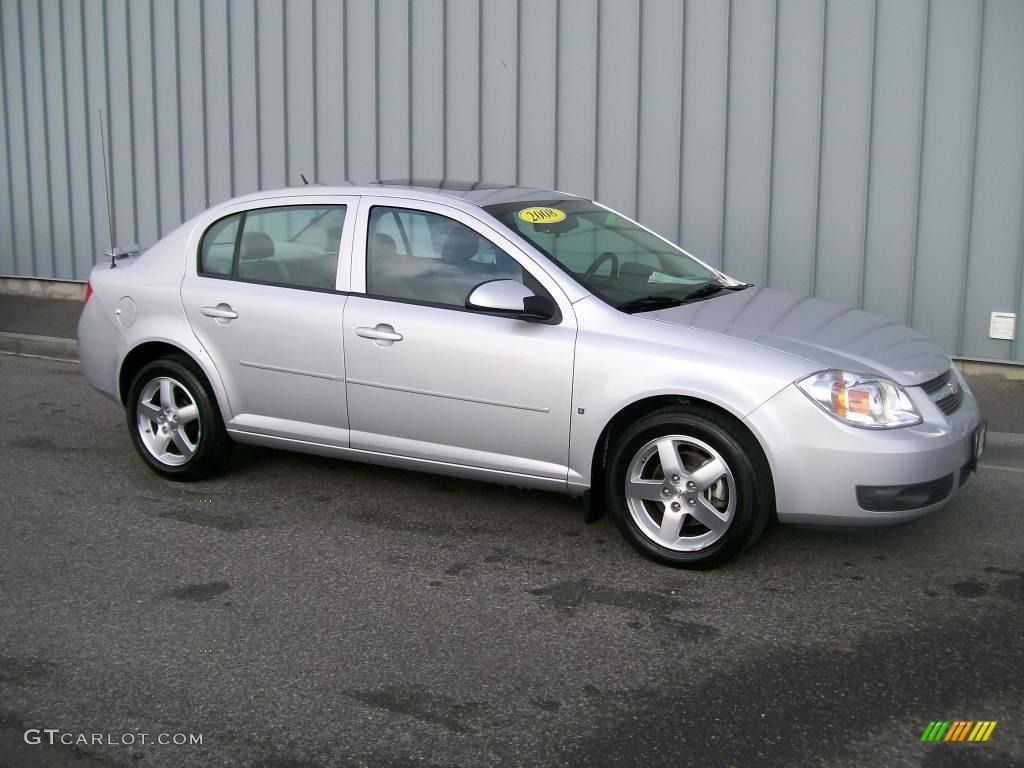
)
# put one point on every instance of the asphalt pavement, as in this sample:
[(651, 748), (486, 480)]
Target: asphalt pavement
[(300, 612)]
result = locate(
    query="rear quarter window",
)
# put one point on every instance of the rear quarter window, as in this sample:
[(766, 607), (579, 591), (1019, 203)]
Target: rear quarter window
[(217, 251)]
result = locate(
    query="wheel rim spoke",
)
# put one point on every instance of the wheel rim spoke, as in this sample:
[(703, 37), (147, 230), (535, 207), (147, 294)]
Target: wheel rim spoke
[(160, 443), (166, 394), (150, 411), (707, 475), (709, 517), (188, 414), (648, 490), (668, 453), (671, 523), (186, 448)]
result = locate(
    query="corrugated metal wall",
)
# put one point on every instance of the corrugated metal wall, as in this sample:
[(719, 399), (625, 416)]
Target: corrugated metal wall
[(868, 151)]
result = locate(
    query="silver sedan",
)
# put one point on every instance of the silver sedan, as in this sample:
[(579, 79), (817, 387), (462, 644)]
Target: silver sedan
[(528, 337)]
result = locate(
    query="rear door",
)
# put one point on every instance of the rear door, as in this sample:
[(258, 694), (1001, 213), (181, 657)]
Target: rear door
[(265, 297)]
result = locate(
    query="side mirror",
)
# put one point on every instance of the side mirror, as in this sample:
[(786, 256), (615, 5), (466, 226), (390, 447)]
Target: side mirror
[(510, 297)]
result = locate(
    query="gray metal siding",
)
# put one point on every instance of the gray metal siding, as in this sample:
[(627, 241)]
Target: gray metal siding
[(868, 151)]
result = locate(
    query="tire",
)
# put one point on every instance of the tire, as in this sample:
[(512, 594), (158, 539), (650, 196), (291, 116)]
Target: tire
[(187, 442), (719, 496)]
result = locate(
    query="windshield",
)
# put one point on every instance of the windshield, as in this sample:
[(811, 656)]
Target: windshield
[(614, 257)]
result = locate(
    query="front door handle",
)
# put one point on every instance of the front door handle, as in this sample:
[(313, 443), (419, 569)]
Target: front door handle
[(383, 334), (222, 312)]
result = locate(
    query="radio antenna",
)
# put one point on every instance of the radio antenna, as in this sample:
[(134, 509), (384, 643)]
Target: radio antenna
[(106, 183), (304, 179)]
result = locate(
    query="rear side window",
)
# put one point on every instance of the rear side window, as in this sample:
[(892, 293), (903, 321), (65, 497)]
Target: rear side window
[(295, 246)]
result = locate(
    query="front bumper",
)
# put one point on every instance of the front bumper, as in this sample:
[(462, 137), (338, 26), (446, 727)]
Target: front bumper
[(826, 472)]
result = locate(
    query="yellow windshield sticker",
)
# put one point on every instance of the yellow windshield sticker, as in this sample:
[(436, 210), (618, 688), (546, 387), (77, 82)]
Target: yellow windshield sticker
[(542, 215)]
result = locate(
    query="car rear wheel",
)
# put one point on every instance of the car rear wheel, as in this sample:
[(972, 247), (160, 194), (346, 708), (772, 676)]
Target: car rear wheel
[(688, 488), (174, 421)]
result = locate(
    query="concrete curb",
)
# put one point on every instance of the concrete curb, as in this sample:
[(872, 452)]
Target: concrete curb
[(1011, 370), (39, 346), (1005, 439), (42, 288)]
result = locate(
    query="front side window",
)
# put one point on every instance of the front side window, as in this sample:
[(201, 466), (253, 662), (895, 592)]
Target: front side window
[(614, 257), (295, 246), (423, 256)]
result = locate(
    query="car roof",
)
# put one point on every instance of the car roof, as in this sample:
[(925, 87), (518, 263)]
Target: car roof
[(479, 193)]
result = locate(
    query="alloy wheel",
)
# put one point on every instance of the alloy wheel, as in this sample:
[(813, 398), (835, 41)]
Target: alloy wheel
[(168, 421), (680, 493)]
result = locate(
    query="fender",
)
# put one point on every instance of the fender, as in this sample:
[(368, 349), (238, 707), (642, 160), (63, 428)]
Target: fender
[(644, 351), (163, 321)]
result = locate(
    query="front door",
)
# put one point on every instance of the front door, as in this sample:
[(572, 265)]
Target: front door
[(430, 379)]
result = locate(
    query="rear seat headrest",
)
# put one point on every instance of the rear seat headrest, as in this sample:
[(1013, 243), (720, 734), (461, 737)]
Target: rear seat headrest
[(256, 246), (383, 246)]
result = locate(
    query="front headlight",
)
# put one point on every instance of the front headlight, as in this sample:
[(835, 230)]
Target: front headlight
[(861, 400)]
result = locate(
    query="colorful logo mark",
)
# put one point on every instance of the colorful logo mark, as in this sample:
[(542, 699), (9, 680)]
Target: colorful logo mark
[(958, 730)]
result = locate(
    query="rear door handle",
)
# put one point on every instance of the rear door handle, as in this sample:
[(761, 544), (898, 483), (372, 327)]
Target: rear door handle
[(222, 312), (380, 332)]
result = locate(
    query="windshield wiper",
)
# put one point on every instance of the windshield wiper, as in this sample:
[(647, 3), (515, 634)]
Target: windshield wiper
[(708, 289), (664, 301), (648, 303)]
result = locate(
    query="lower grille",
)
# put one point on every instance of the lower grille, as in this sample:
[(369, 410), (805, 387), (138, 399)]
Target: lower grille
[(903, 498)]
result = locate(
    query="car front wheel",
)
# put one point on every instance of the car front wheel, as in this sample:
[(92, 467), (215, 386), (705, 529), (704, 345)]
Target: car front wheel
[(688, 487), (174, 421)]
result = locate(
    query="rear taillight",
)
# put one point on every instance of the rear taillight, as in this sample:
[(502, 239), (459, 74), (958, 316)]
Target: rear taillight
[(88, 290)]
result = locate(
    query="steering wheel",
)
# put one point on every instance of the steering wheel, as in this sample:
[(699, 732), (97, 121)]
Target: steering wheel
[(598, 262)]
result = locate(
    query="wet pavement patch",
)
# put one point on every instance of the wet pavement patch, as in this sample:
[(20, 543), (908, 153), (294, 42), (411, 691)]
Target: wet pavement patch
[(969, 588), (23, 670), (423, 705), (43, 444), (570, 596), (229, 523)]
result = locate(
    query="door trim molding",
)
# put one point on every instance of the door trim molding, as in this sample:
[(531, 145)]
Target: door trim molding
[(296, 371), (428, 393)]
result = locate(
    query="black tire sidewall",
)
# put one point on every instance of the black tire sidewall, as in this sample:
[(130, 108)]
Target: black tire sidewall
[(752, 508), (202, 462)]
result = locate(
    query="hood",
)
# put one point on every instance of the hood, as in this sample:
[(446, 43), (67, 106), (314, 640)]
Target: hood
[(828, 334)]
